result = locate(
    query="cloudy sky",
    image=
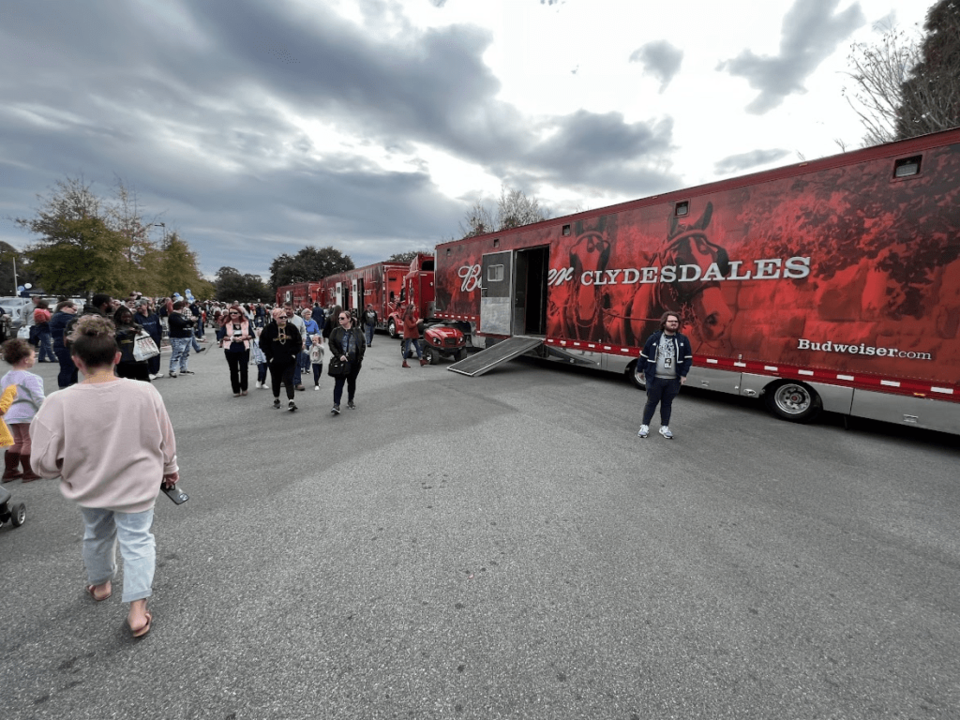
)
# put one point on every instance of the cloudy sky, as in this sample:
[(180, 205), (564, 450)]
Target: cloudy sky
[(256, 127)]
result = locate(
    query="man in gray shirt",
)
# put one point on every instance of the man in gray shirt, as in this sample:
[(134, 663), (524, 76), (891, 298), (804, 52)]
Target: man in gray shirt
[(665, 361)]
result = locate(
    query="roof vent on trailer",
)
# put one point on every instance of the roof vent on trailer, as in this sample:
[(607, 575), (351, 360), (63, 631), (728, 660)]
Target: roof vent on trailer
[(907, 167)]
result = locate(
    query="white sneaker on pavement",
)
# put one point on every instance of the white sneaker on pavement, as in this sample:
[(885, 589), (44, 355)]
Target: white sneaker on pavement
[(644, 431), (665, 431)]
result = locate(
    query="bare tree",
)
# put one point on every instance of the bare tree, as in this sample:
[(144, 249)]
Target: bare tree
[(514, 209), (878, 73), (479, 221)]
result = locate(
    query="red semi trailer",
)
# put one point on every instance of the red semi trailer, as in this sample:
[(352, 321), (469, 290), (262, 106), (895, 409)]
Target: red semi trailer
[(300, 294), (831, 284), (378, 284)]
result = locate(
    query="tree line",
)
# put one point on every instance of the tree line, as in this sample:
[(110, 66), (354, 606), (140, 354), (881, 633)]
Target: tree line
[(87, 243)]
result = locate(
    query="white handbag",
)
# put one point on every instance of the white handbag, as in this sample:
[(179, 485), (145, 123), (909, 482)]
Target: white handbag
[(144, 347)]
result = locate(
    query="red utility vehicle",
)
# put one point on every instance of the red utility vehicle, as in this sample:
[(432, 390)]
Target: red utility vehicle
[(832, 284), (441, 338)]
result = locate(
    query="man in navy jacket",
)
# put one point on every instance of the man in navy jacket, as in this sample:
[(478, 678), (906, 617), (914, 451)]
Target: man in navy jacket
[(665, 361)]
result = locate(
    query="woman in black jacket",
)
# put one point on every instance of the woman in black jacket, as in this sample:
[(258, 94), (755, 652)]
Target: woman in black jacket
[(281, 343), (127, 331), (347, 346)]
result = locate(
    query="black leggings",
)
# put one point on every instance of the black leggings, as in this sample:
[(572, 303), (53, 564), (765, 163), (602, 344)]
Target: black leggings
[(284, 375)]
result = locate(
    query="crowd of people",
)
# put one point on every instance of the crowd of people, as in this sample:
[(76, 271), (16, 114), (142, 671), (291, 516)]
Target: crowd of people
[(107, 434)]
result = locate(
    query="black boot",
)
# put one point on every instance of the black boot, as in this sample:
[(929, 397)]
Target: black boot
[(12, 466)]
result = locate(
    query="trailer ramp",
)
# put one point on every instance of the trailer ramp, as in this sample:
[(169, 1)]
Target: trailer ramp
[(481, 362)]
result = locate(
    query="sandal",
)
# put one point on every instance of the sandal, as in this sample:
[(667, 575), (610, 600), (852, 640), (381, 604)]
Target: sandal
[(91, 591), (143, 629)]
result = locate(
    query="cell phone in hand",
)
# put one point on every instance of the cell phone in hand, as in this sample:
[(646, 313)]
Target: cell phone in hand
[(174, 493)]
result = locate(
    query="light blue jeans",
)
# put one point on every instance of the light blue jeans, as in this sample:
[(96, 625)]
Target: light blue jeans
[(179, 352), (101, 531)]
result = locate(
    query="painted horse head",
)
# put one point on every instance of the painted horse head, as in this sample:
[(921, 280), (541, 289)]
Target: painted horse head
[(591, 253)]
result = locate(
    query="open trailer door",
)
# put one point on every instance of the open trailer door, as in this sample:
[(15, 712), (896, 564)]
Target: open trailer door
[(496, 293)]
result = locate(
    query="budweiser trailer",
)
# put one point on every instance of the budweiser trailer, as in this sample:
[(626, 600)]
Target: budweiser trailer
[(832, 284), (378, 284), (300, 294)]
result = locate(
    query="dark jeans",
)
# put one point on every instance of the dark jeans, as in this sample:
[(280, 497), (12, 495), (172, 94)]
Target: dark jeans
[(154, 362), (69, 375), (350, 380), (661, 391), (282, 375), (317, 372), (368, 333), (261, 372), (238, 362)]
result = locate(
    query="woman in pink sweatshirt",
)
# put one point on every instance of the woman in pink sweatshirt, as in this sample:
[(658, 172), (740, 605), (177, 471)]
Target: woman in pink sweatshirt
[(111, 442)]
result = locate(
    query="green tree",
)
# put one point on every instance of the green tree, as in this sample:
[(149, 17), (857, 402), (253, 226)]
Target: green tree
[(407, 257), (88, 244), (930, 96), (80, 256), (176, 269), (232, 285), (308, 265), (9, 280)]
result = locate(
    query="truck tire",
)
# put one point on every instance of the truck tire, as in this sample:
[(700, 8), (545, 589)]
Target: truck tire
[(392, 329), (637, 378), (793, 401)]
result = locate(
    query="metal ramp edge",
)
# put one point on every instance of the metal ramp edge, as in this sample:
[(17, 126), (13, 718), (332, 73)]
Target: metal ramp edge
[(485, 360)]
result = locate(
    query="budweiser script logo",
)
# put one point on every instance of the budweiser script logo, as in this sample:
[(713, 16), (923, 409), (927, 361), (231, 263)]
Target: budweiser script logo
[(861, 349)]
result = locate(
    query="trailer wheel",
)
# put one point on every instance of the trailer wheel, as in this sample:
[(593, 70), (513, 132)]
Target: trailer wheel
[(392, 329), (793, 401), (636, 377), (18, 515)]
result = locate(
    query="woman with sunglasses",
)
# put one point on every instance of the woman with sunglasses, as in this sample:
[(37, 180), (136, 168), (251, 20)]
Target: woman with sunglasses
[(347, 344), (235, 335), (281, 343)]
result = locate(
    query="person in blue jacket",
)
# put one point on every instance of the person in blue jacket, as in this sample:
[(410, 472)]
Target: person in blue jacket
[(665, 361)]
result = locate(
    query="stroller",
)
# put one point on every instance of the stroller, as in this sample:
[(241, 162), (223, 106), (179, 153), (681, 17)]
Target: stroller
[(16, 513)]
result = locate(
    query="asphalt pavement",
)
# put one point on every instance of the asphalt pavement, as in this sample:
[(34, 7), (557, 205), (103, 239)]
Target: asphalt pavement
[(504, 547)]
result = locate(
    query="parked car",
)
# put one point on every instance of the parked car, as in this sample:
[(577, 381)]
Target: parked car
[(17, 308)]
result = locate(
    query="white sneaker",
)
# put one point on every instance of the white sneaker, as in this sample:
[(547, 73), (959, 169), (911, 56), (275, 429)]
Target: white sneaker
[(158, 376), (644, 431), (665, 431), (316, 387)]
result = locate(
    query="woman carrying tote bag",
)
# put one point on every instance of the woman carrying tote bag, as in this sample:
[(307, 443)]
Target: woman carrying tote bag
[(347, 345)]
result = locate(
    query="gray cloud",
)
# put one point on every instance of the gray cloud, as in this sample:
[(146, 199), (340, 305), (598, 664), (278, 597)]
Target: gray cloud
[(199, 107), (811, 32), (660, 59), (745, 161)]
